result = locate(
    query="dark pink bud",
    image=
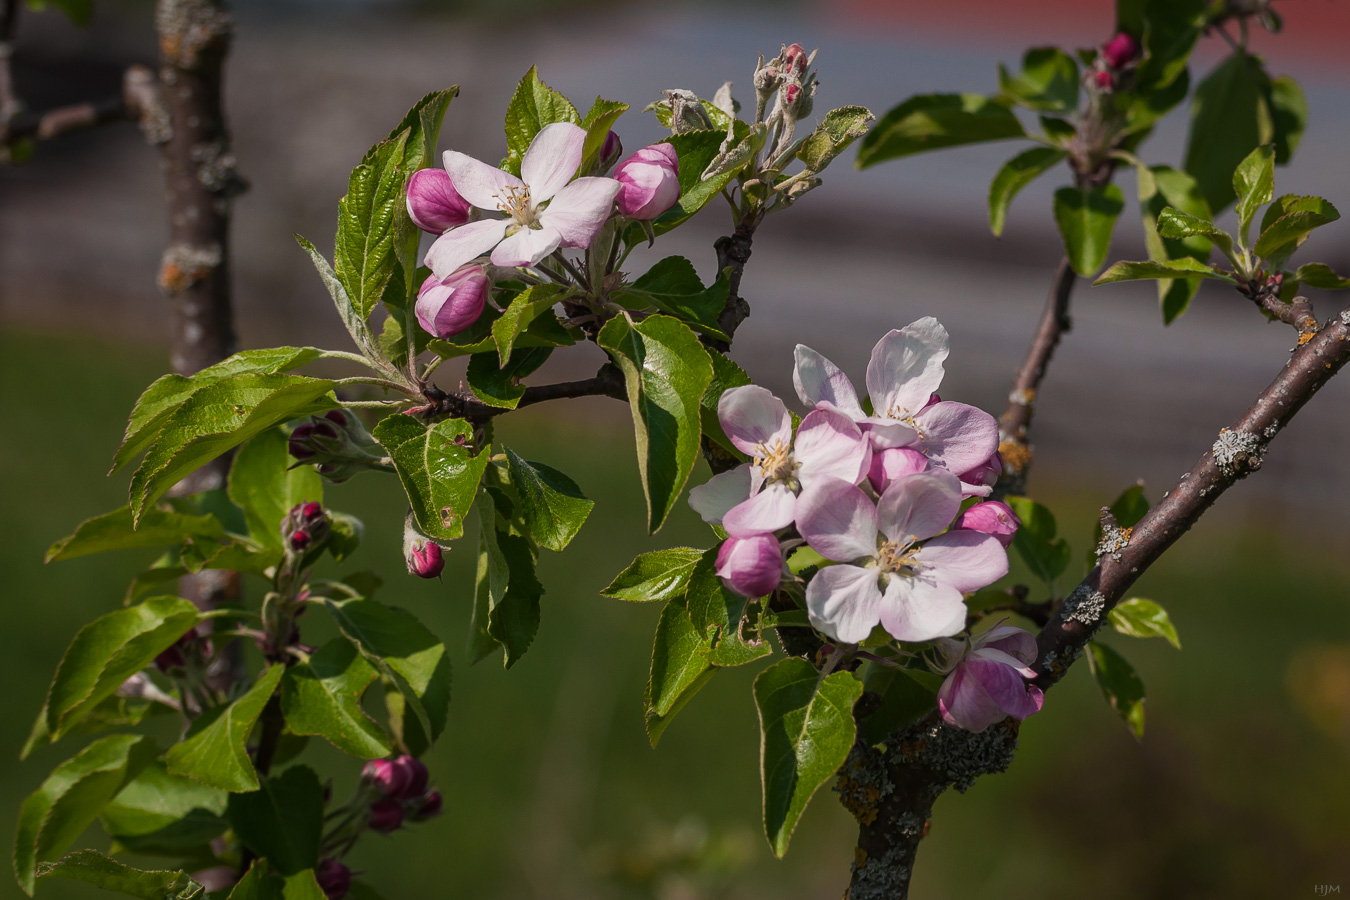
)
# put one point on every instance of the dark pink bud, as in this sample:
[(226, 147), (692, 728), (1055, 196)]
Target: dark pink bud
[(1104, 80), (750, 566), (171, 661), (334, 878), (430, 806), (299, 539), (311, 510), (306, 524), (791, 93), (433, 203), (1119, 51), (610, 151), (311, 438), (337, 417), (893, 463), (447, 307), (386, 816), (425, 561), (794, 61), (991, 517), (650, 180), (400, 778)]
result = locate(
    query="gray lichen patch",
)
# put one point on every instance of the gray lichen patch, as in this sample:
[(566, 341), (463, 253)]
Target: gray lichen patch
[(882, 878), (1237, 452), (1114, 539), (959, 757), (187, 27), (863, 783), (1084, 605), (1345, 317), (215, 167)]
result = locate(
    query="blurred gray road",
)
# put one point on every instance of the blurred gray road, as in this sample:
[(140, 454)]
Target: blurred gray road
[(81, 228)]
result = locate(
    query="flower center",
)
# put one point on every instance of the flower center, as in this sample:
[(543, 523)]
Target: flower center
[(515, 202), (899, 557), (775, 463)]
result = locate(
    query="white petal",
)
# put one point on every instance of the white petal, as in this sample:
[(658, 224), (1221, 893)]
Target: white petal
[(751, 416), (526, 247), (843, 601), (718, 494), (769, 510), (965, 560), (819, 381), (552, 159), (478, 182), (579, 210), (459, 245), (919, 609), (959, 436), (888, 434), (919, 505), (1012, 662), (906, 367), (828, 445), (837, 520)]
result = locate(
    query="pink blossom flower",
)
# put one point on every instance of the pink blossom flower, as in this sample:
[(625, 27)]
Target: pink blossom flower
[(1120, 50), (991, 517), (902, 377), (988, 681), (400, 778), (543, 211), (433, 203), (651, 182), (980, 481), (893, 463), (750, 566), (897, 572), (447, 306)]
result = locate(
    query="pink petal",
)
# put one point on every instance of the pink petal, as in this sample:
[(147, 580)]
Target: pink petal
[(964, 560), (1016, 642), (460, 245), (991, 654), (552, 159), (526, 247), (843, 601), (906, 368), (837, 520), (433, 204), (888, 433), (991, 517), (1006, 688), (919, 609), (829, 445), (819, 381), (964, 703), (750, 566), (751, 416), (920, 505), (714, 498), (958, 436), (579, 210), (896, 462), (446, 308), (769, 510), (478, 182)]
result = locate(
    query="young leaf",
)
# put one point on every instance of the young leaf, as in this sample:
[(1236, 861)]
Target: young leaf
[(1173, 223), (1120, 685), (533, 106), (423, 124), (1016, 174), (666, 371), (553, 506), (1147, 269), (323, 697), (1085, 219), (1048, 81), (679, 668), (94, 868), (1281, 237), (439, 472), (599, 119), (1321, 276), (935, 121), (1159, 188), (806, 731), (1037, 542), (524, 309), (115, 531), (657, 575), (363, 254), (1229, 117), (506, 612), (1254, 185), (265, 486), (163, 814), (283, 820), (105, 653), (351, 314), (1140, 618), (840, 128), (674, 287), (500, 385), (213, 752)]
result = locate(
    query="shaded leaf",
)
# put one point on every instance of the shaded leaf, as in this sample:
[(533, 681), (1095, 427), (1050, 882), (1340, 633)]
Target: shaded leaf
[(1288, 116), (213, 752), (674, 287), (657, 575), (283, 820), (1037, 541), (499, 385), (553, 506), (323, 697), (1120, 685), (438, 469), (906, 695), (94, 868), (1229, 118), (726, 375), (935, 121), (1016, 174), (159, 813), (679, 669), (115, 531)]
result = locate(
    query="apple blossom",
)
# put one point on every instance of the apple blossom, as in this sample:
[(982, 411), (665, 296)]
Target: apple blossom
[(991, 517), (433, 203), (750, 566), (447, 306), (892, 463), (988, 680), (1120, 50), (651, 182)]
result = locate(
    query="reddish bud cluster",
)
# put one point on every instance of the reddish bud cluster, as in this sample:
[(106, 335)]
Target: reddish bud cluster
[(334, 879), (402, 785), (304, 526)]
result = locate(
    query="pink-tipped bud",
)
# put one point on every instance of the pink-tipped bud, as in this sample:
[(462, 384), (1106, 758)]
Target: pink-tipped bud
[(429, 807), (610, 151), (992, 517), (893, 463), (400, 778), (750, 566), (979, 481), (433, 203), (334, 879), (446, 308), (791, 93), (386, 816), (425, 561), (305, 525), (1120, 50), (794, 61), (312, 438), (650, 180), (1105, 81)]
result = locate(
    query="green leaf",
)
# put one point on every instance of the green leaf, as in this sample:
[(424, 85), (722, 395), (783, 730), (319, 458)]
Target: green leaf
[(103, 654), (1321, 276), (71, 797), (423, 123), (1170, 29), (283, 820), (934, 121), (305, 886), (679, 669), (1120, 685), (1140, 618), (115, 531), (1086, 219), (213, 752), (524, 309), (674, 287), (439, 472), (533, 106), (598, 122), (1287, 233), (1147, 269), (500, 385), (162, 814), (657, 575), (1254, 185), (906, 695), (265, 486), (1016, 174), (351, 314), (726, 375), (323, 697), (666, 371), (1173, 223), (363, 254), (543, 331), (840, 128), (79, 12), (1037, 541), (713, 610), (257, 884), (1288, 115), (506, 612), (806, 731), (553, 506), (216, 419), (94, 868), (1229, 118), (1048, 82), (405, 652), (1130, 506), (1160, 187)]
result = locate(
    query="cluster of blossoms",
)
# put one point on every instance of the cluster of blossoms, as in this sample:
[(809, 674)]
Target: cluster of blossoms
[(548, 207), (1114, 58), (878, 494)]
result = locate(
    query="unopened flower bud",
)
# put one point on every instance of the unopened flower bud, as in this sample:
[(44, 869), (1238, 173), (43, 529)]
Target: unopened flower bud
[(429, 807), (424, 557), (650, 180), (895, 462), (433, 203), (991, 517), (1104, 80), (386, 816), (304, 526), (447, 307), (1120, 51), (979, 481), (750, 566), (400, 778), (794, 61), (791, 93), (309, 439), (171, 661), (334, 879), (767, 79), (610, 151)]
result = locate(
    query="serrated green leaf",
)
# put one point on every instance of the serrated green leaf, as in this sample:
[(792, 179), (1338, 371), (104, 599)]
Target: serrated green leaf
[(213, 752), (533, 106), (94, 868), (162, 814), (1287, 233), (323, 697), (1173, 223), (265, 486), (598, 122), (679, 669), (1148, 269), (666, 371), (674, 287), (522, 311), (114, 531), (1016, 174), (934, 121), (1086, 219), (363, 253), (553, 506), (283, 820), (499, 385), (423, 123), (438, 470), (1140, 618), (1254, 185), (1037, 541), (840, 128), (657, 575), (1048, 81), (806, 732), (713, 609), (350, 313), (1321, 276), (1120, 685), (1229, 118)]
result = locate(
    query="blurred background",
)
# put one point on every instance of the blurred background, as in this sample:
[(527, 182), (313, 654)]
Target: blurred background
[(1240, 787)]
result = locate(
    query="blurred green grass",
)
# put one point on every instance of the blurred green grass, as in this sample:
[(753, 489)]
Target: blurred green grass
[(552, 792)]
